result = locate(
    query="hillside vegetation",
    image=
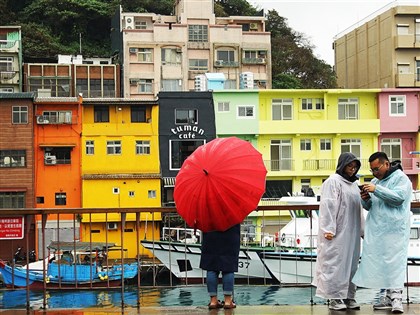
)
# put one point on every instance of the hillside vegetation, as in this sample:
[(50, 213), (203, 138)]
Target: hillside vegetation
[(52, 27)]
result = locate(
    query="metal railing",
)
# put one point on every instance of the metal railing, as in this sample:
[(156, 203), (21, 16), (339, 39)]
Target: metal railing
[(151, 265)]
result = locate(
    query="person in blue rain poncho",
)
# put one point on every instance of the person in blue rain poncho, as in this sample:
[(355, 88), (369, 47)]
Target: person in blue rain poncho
[(339, 235), (384, 258)]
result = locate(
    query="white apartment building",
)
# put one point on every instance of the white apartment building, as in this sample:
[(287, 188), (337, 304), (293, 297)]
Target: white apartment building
[(167, 53)]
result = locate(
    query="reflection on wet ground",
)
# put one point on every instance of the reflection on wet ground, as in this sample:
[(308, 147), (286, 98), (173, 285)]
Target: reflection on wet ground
[(180, 296)]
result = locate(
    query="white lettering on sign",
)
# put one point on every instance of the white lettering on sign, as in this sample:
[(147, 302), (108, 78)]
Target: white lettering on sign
[(187, 131)]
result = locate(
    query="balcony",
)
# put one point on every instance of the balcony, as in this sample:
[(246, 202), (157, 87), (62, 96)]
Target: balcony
[(7, 75), (279, 165), (9, 45), (226, 64), (254, 61), (405, 80)]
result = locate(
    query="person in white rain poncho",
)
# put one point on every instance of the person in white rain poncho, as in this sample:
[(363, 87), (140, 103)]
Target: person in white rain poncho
[(384, 258), (340, 225)]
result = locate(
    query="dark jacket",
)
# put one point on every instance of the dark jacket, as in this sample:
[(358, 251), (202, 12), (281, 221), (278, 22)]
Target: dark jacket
[(220, 250)]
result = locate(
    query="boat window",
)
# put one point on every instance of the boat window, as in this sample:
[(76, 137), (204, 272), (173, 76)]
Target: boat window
[(414, 233)]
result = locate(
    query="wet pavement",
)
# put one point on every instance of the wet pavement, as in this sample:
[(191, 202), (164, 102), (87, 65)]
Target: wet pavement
[(411, 309)]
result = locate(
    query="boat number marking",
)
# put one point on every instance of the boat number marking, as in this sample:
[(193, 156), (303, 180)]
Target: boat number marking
[(243, 264)]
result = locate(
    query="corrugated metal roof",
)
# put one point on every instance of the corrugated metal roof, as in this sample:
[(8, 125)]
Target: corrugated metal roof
[(93, 101), (19, 95)]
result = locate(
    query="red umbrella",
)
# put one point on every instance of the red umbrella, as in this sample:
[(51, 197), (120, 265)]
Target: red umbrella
[(219, 184)]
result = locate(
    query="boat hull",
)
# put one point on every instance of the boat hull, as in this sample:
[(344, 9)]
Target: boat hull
[(67, 275), (299, 268), (183, 260)]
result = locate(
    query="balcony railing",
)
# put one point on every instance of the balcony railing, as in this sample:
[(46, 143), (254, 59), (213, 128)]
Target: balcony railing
[(279, 165), (7, 44), (253, 60), (8, 75), (226, 64)]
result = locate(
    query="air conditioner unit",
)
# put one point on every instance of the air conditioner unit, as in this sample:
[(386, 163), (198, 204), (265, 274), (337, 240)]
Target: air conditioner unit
[(51, 160), (261, 60), (134, 81), (129, 22), (200, 83), (112, 226), (132, 50), (179, 50), (218, 63), (41, 120), (253, 26)]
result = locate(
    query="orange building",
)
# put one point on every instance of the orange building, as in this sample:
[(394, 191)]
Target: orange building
[(58, 128)]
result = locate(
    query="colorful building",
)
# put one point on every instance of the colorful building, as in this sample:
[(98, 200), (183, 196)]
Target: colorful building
[(17, 169), (10, 59), (120, 169), (57, 132)]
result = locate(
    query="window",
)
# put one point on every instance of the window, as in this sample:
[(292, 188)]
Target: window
[(57, 155), (230, 84), (145, 86), (57, 117), (6, 89), (351, 145), (40, 199), (198, 64), (12, 158), (325, 144), (397, 105), (20, 114), (319, 103), (402, 29), (348, 108), (282, 109), (186, 116), (305, 145), (417, 29), (138, 114), (223, 107), (306, 103), (60, 199), (142, 147), (197, 33), (281, 155), (12, 200), (109, 88), (180, 150), (95, 88), (305, 184), (145, 55), (171, 56), (171, 85), (6, 65), (151, 194), (101, 113), (245, 111), (392, 148), (417, 70), (90, 147), (226, 56), (113, 147), (254, 56), (140, 25)]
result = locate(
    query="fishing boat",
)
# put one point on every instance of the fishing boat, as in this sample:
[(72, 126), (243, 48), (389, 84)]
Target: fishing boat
[(298, 266), (81, 264), (182, 257)]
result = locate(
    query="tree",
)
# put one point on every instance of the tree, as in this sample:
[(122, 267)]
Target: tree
[(293, 62)]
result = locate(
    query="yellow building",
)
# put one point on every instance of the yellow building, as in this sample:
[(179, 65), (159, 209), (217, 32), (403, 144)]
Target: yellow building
[(120, 169), (302, 133)]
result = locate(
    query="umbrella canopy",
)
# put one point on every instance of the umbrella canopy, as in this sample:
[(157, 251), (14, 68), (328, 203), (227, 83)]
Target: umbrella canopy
[(219, 184)]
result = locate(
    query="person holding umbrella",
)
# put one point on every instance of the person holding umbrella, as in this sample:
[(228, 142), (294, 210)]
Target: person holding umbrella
[(218, 185), (220, 254), (340, 221)]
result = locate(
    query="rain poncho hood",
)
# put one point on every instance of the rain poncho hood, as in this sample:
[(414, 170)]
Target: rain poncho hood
[(345, 159), (340, 213), (387, 232)]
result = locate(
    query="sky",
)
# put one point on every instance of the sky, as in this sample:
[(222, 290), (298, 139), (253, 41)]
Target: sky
[(322, 20)]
